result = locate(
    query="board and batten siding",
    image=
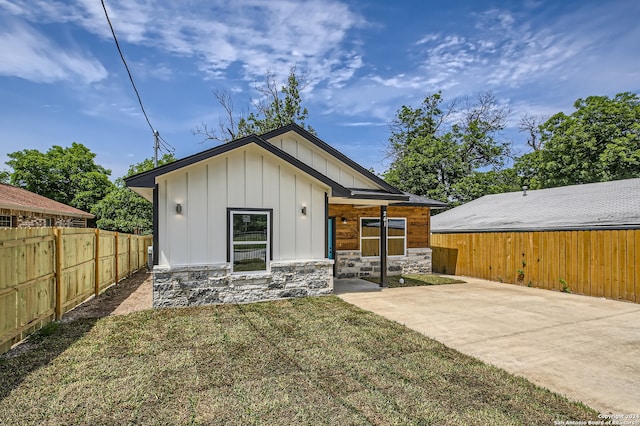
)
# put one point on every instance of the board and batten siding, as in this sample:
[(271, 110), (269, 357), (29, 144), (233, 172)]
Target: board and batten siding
[(305, 151), (248, 177)]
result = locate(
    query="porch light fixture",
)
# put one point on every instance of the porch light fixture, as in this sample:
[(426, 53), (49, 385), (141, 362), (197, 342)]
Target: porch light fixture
[(179, 208), (344, 220), (304, 210)]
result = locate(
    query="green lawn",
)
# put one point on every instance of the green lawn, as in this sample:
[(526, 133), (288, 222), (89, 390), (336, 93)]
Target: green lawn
[(297, 361), (412, 280)]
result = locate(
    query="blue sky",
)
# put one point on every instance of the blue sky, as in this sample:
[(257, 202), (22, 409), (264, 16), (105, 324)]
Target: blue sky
[(61, 79)]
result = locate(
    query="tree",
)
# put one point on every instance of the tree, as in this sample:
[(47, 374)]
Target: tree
[(122, 209), (68, 175), (276, 108), (600, 141), (531, 124), (442, 152), (5, 176)]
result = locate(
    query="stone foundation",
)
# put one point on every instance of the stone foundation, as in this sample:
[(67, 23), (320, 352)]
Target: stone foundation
[(350, 263), (196, 285)]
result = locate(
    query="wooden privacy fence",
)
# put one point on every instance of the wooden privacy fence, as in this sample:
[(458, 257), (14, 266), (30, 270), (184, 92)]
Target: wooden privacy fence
[(45, 272), (602, 263)]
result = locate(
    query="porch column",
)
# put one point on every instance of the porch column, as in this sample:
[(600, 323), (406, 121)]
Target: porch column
[(383, 246)]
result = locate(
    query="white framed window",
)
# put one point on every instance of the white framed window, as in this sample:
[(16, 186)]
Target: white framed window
[(397, 236), (5, 221), (370, 236), (250, 239)]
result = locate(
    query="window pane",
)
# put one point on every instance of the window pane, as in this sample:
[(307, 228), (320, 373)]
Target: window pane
[(370, 227), (395, 228), (395, 247), (249, 227), (249, 257), (371, 247)]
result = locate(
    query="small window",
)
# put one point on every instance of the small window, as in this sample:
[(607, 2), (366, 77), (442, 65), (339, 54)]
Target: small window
[(250, 240), (5, 221), (370, 236)]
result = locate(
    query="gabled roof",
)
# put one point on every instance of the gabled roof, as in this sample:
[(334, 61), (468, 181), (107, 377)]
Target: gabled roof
[(147, 179), (388, 192), (15, 198), (331, 151), (605, 205)]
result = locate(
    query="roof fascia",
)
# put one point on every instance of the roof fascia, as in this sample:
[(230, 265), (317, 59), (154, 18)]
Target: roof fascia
[(147, 179)]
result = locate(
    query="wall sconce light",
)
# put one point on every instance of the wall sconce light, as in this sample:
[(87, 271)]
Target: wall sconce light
[(344, 220), (304, 210), (179, 208)]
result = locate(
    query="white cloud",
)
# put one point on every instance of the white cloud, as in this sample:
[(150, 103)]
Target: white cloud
[(28, 54), (257, 35)]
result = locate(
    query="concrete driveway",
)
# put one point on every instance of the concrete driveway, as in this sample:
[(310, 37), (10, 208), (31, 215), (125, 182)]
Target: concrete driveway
[(585, 348)]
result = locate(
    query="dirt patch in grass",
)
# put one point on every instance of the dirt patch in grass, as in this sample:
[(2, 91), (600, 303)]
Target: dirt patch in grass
[(129, 295), (413, 280), (309, 361)]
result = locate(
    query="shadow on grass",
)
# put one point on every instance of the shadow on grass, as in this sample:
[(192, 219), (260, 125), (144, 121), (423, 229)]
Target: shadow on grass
[(39, 349)]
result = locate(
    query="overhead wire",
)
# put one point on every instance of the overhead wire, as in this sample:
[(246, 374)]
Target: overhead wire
[(163, 143)]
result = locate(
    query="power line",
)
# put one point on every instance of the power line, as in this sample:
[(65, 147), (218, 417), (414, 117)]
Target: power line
[(135, 89)]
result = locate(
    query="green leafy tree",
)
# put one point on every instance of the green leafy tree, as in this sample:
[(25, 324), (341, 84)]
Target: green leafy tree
[(5, 176), (599, 141), (441, 152), (68, 175), (277, 107), (122, 209)]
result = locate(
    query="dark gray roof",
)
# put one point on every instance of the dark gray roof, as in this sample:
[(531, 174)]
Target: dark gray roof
[(389, 193), (610, 205), (417, 200), (147, 179)]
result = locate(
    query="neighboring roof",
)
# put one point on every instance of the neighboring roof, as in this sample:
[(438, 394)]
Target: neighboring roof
[(15, 198), (605, 205), (392, 194)]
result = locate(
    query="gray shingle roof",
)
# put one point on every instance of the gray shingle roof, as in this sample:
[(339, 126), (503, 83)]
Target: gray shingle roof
[(613, 204)]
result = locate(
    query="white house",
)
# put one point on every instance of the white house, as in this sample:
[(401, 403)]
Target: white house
[(266, 216)]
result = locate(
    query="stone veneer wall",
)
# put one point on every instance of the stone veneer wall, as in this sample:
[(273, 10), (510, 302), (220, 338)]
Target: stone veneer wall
[(209, 284), (350, 264)]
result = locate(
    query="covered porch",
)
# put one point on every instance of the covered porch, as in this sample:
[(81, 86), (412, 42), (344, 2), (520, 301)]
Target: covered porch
[(376, 233)]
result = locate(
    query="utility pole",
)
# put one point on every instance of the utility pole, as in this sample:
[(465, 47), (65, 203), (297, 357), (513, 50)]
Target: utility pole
[(156, 146)]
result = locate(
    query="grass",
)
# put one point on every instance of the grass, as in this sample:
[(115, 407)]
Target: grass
[(412, 280), (296, 361)]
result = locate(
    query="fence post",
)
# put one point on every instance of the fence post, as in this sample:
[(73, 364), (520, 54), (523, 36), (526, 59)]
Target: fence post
[(58, 239), (116, 249), (97, 263)]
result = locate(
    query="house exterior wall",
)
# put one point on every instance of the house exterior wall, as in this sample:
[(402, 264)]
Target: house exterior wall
[(305, 151), (195, 242), (349, 260), (29, 219)]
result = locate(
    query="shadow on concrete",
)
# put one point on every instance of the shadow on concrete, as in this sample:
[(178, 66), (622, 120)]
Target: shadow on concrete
[(353, 285)]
